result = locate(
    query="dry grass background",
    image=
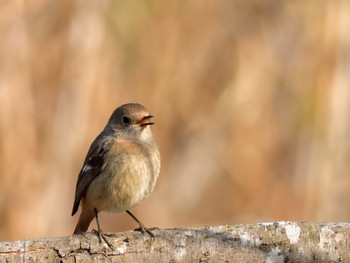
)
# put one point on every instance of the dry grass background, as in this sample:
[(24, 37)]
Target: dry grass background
[(251, 100)]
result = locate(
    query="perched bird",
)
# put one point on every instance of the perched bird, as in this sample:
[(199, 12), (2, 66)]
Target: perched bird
[(120, 169)]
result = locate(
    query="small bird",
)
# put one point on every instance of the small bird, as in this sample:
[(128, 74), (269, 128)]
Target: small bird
[(120, 169)]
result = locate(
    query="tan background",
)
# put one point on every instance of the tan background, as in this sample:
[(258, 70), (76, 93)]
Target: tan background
[(251, 100)]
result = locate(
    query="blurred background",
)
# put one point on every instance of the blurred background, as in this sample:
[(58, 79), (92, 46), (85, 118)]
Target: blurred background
[(251, 100)]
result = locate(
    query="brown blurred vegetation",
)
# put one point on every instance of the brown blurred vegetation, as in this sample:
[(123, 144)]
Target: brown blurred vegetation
[(251, 100)]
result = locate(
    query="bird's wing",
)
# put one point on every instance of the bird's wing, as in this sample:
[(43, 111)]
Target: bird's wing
[(93, 165)]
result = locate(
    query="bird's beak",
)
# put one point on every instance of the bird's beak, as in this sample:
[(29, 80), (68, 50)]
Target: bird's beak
[(145, 121)]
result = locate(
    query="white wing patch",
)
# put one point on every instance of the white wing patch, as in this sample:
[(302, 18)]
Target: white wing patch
[(86, 168)]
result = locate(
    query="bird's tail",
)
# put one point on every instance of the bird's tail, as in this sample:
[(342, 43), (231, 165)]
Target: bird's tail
[(86, 216)]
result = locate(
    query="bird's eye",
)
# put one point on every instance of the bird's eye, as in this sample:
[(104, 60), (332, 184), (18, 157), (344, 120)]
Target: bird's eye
[(126, 120)]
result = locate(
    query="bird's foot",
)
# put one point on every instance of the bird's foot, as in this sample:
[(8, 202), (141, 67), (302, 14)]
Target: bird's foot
[(103, 237), (144, 229)]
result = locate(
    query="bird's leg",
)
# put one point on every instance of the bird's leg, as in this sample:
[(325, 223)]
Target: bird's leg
[(99, 232), (142, 227)]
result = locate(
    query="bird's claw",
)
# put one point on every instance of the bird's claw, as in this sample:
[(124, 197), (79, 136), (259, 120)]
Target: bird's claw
[(103, 237), (143, 229)]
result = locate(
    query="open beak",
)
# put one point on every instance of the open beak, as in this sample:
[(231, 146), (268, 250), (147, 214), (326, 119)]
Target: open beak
[(145, 121)]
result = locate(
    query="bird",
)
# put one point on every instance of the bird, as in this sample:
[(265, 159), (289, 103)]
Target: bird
[(120, 169)]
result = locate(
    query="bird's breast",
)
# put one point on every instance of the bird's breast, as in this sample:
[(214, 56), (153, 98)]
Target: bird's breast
[(128, 177)]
